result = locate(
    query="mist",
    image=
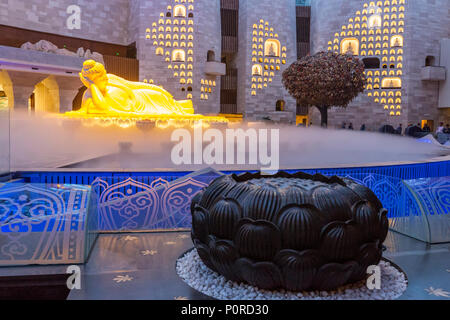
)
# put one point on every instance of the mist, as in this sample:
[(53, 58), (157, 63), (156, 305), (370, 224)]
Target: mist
[(50, 142)]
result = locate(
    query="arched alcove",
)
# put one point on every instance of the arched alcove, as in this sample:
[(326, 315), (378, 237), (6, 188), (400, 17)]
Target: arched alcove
[(350, 46), (3, 99), (256, 70), (211, 56), (179, 11), (76, 103), (272, 48), (280, 105), (371, 63), (178, 55), (374, 21), (397, 41), (7, 88), (45, 97), (391, 83), (429, 61)]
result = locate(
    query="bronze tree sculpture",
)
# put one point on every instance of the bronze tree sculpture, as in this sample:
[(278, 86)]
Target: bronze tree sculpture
[(293, 231), (324, 80)]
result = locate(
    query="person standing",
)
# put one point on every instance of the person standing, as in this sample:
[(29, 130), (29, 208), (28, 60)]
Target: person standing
[(440, 128), (363, 127), (399, 129), (408, 128), (447, 129), (344, 125), (350, 126)]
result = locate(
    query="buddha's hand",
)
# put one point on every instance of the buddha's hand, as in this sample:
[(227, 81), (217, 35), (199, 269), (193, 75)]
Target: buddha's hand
[(86, 81)]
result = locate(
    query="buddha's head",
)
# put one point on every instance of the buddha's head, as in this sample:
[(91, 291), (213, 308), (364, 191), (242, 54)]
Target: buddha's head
[(96, 72)]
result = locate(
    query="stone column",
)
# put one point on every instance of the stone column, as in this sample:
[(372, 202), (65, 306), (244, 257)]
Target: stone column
[(68, 89), (23, 84), (21, 95)]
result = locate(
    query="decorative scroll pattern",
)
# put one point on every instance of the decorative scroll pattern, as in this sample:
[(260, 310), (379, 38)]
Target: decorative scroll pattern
[(431, 199), (139, 204), (42, 224), (387, 189), (433, 194), (134, 205)]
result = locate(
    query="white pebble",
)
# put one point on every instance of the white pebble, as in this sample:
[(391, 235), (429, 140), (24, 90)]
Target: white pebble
[(192, 270)]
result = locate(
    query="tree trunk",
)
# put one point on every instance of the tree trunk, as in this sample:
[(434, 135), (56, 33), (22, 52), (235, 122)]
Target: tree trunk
[(324, 116)]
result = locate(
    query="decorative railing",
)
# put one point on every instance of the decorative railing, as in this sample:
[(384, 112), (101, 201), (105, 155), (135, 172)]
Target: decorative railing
[(46, 224)]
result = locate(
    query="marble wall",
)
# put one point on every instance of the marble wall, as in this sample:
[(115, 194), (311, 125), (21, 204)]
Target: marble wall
[(101, 20), (257, 103), (426, 22), (206, 36)]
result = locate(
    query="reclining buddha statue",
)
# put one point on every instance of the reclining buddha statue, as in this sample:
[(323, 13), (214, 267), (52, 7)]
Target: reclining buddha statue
[(112, 95)]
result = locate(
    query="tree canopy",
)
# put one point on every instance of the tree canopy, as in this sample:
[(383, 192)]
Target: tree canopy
[(325, 79)]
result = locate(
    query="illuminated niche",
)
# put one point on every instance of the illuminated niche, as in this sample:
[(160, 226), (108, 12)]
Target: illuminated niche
[(272, 48), (178, 55), (375, 21), (379, 26), (267, 55), (391, 83), (397, 41), (350, 46), (179, 11), (257, 70)]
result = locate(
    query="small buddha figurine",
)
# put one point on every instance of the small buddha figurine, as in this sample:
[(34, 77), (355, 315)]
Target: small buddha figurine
[(272, 52), (349, 50), (110, 94)]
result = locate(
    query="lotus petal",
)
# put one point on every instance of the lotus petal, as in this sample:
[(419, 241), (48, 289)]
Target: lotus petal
[(204, 254), (264, 275), (300, 226), (259, 240), (239, 191), (196, 200), (365, 215), (351, 196), (223, 218), (365, 193), (298, 268), (262, 204), (200, 224), (334, 206), (340, 241), (216, 189), (298, 196), (223, 256), (333, 275), (383, 225), (369, 254)]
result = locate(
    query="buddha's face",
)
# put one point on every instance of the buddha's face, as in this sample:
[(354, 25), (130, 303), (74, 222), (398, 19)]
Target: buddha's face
[(96, 73)]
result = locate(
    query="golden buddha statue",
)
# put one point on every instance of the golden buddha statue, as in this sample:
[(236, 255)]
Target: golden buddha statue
[(108, 94)]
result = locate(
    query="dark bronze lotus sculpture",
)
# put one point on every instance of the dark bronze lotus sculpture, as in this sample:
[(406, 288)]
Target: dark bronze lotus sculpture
[(292, 231)]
